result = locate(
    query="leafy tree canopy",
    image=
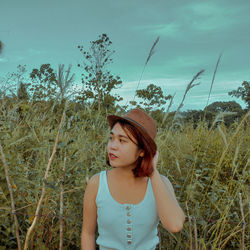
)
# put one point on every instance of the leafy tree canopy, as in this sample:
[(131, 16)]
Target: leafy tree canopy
[(243, 93), (152, 97), (226, 112), (231, 106), (193, 115), (44, 85)]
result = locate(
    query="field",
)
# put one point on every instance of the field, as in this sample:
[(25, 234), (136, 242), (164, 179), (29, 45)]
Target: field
[(207, 165)]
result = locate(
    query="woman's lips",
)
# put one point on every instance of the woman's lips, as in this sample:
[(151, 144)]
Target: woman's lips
[(112, 156)]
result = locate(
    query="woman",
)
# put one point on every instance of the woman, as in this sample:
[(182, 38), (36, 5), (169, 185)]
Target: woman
[(128, 201)]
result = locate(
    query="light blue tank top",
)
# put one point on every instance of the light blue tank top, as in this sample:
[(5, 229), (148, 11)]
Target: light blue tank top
[(125, 226)]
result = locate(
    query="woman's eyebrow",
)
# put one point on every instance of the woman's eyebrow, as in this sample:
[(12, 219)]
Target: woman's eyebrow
[(119, 135)]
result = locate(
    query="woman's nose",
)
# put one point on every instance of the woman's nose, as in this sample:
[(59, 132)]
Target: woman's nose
[(113, 144)]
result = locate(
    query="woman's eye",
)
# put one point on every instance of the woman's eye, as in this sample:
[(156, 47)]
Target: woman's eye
[(121, 140)]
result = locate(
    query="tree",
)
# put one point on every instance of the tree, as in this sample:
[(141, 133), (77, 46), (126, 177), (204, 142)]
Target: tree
[(224, 111), (231, 106), (22, 93), (152, 96), (44, 85), (97, 81), (194, 116), (242, 92)]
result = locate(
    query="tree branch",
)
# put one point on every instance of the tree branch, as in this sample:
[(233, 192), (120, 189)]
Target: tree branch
[(31, 228), (11, 196)]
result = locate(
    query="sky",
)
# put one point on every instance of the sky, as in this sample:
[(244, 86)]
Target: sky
[(192, 36)]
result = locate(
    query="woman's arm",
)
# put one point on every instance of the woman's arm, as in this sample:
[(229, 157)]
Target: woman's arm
[(89, 214), (169, 211)]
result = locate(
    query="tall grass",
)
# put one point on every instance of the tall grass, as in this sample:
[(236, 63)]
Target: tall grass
[(208, 169), (151, 52)]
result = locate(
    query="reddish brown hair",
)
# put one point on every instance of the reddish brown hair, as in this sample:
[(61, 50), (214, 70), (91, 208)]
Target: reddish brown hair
[(144, 165)]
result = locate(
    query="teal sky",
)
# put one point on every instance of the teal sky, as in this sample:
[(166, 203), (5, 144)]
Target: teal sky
[(192, 35)]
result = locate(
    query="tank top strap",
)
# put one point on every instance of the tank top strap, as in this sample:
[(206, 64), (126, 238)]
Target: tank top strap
[(102, 193), (150, 191)]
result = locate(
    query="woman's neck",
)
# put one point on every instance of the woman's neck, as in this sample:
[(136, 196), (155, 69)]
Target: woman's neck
[(124, 173)]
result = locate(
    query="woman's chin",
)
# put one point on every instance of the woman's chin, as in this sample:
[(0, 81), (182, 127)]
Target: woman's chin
[(112, 165)]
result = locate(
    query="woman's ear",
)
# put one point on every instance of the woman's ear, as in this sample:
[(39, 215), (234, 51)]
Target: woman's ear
[(141, 153)]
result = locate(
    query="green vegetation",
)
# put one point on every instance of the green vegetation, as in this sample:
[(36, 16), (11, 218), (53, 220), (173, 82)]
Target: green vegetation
[(204, 153), (97, 81), (243, 93)]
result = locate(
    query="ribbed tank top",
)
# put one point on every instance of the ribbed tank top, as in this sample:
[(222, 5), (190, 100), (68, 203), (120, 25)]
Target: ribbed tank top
[(125, 226)]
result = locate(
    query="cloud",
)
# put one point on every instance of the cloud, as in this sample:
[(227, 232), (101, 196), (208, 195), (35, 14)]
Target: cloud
[(167, 30), (17, 58), (12, 59), (213, 15), (35, 51), (2, 60)]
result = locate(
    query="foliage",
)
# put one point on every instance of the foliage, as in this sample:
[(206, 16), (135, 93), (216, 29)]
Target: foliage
[(193, 116), (22, 93), (216, 112), (9, 83), (189, 157), (97, 81), (227, 112), (43, 86), (231, 106), (152, 97), (243, 92)]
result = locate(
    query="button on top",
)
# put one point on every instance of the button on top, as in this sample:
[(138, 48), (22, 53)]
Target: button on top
[(127, 207)]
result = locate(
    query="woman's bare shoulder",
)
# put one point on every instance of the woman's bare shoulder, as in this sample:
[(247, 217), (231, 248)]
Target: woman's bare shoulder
[(93, 184), (167, 182), (94, 179)]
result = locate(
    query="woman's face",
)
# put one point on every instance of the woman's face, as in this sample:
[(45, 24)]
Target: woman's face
[(122, 151)]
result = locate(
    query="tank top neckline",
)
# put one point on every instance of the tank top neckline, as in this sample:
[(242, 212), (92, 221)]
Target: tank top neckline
[(126, 204)]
